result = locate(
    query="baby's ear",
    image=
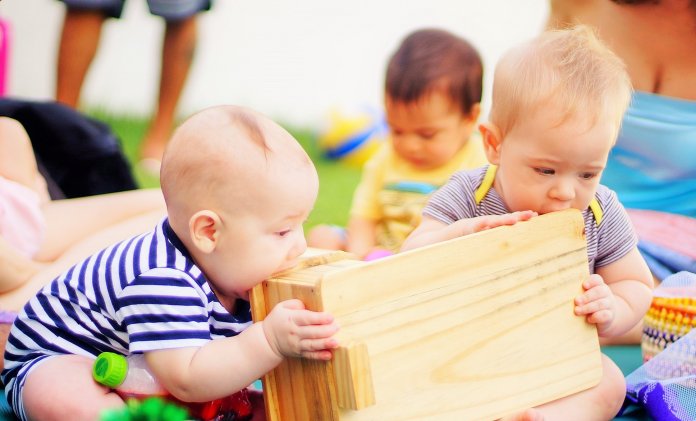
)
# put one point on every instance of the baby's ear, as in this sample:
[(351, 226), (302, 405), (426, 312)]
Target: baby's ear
[(474, 113), (492, 140), (204, 228)]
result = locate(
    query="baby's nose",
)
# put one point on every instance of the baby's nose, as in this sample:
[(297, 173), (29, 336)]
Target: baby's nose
[(563, 190), (299, 247)]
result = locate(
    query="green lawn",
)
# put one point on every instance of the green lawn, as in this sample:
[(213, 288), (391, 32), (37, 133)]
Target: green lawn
[(337, 180)]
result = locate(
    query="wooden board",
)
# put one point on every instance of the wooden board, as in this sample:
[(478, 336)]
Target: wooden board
[(474, 328)]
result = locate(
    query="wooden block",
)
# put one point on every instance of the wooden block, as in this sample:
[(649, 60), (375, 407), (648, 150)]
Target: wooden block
[(474, 328), (353, 376)]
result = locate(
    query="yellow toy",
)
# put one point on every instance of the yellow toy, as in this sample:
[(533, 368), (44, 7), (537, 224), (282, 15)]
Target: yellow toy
[(353, 137)]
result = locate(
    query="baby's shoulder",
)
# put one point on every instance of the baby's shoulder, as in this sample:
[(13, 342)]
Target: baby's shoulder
[(607, 199), (469, 179)]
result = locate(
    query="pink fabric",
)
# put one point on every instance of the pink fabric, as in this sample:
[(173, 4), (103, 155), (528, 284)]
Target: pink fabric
[(674, 232), (4, 54), (22, 223)]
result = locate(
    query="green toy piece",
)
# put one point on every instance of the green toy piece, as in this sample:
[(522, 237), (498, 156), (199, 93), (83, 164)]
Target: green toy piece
[(150, 409)]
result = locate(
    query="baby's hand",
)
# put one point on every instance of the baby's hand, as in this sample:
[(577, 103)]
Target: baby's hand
[(597, 303), (482, 223), (293, 331)]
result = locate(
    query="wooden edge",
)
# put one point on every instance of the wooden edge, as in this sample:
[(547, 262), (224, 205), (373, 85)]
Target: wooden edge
[(315, 257), (353, 376), (259, 311), (257, 303), (261, 298), (353, 389)]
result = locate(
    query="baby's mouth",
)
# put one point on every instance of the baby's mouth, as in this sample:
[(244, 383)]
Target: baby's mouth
[(287, 266), (417, 162)]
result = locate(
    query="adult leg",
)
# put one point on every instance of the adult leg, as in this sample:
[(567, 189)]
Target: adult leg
[(17, 160), (78, 46), (17, 164), (70, 221), (15, 299), (177, 55)]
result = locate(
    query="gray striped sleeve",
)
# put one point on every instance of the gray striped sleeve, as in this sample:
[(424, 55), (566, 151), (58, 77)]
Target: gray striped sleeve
[(615, 235), (454, 200)]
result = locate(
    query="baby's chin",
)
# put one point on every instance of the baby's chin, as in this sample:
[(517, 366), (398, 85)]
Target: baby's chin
[(422, 165)]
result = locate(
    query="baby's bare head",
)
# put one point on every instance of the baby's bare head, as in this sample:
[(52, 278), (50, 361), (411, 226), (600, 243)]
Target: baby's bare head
[(227, 159)]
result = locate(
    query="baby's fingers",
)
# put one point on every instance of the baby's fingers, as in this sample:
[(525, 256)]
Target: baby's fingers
[(310, 318), (323, 355), (488, 222), (593, 281), (316, 345), (293, 304), (593, 306), (595, 294), (600, 317), (525, 215), (317, 331)]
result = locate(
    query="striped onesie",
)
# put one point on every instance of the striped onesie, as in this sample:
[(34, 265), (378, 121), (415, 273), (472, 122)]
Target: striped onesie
[(139, 295), (607, 241)]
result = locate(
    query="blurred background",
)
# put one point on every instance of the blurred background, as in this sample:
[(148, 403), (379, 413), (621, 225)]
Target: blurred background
[(292, 60)]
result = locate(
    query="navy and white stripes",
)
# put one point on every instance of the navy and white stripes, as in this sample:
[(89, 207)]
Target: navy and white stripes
[(139, 295)]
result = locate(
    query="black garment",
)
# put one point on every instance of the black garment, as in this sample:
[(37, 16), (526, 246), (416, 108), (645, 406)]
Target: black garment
[(76, 153)]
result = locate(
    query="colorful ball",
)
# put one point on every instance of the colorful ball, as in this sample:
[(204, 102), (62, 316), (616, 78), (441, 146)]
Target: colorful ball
[(353, 137)]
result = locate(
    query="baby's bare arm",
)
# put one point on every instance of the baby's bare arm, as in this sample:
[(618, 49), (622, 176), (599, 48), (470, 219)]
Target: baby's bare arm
[(224, 366), (220, 368), (432, 231), (622, 299), (362, 234)]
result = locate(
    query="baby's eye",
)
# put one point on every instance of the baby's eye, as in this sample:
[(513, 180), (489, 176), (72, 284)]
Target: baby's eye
[(283, 233), (545, 171), (427, 135), (588, 175)]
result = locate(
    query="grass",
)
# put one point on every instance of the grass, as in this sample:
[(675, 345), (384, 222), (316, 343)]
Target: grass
[(337, 180)]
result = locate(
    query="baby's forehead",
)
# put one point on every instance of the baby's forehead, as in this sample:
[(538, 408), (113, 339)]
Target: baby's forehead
[(233, 138)]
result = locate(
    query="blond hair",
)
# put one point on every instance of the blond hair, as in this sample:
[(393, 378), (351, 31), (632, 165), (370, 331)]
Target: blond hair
[(570, 69)]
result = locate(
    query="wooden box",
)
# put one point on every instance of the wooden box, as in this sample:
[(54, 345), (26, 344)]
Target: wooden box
[(470, 329)]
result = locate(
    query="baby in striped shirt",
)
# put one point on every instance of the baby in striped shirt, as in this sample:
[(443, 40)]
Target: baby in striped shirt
[(557, 106), (238, 188)]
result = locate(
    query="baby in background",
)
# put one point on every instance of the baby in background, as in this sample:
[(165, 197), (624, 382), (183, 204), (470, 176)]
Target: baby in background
[(238, 188), (432, 100), (557, 106)]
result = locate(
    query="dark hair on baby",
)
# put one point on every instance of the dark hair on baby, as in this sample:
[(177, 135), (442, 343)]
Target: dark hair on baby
[(434, 59)]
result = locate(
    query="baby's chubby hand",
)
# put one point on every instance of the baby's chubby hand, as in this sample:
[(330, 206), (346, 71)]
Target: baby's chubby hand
[(293, 331), (482, 223), (597, 303)]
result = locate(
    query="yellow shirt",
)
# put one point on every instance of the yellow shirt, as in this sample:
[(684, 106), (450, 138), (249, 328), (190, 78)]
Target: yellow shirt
[(393, 193)]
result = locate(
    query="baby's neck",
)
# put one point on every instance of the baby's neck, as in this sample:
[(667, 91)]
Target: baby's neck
[(227, 302)]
